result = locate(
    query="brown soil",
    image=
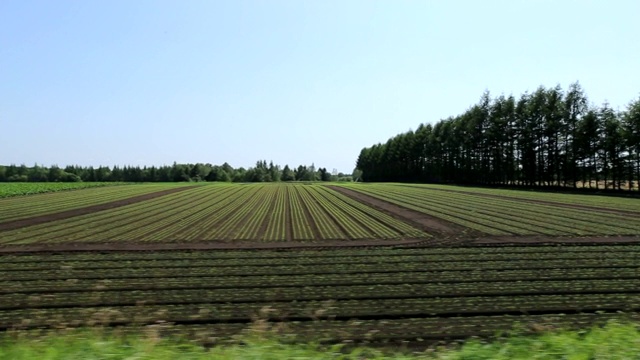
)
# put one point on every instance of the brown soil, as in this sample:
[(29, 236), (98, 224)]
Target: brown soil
[(430, 224), (36, 220), (545, 202)]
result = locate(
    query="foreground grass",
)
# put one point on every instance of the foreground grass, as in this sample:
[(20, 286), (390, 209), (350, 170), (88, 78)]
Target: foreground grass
[(614, 341)]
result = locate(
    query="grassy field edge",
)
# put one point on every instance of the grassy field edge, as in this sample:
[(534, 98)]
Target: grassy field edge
[(616, 340)]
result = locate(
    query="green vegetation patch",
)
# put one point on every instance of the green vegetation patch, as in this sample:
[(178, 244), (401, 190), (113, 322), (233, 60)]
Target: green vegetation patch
[(224, 212), (505, 215), (615, 340), (19, 189)]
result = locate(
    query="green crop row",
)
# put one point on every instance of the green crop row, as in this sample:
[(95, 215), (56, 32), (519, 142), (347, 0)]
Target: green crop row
[(312, 310), (101, 226), (149, 280), (308, 293), (20, 189), (502, 215), (546, 219), (225, 213), (606, 202), (328, 267), (43, 204), (471, 252), (432, 259)]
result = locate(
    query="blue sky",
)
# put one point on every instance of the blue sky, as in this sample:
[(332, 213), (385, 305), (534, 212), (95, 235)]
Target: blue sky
[(296, 82)]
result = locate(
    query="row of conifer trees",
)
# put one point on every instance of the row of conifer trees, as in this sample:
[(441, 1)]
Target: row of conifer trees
[(548, 138)]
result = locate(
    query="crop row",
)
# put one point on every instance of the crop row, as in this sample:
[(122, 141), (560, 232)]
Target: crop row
[(328, 268), (501, 217), (314, 310), (123, 221), (225, 212), (307, 293), (42, 204), (471, 252), (541, 218), (432, 260), (149, 282), (471, 215), (605, 202), (379, 223), (20, 189)]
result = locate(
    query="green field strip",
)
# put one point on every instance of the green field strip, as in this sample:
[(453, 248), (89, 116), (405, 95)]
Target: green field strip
[(493, 215), (203, 214), (76, 224), (542, 219), (381, 222), (308, 293), (252, 227), (147, 223), (87, 225), (263, 281), (331, 253), (301, 227), (430, 260), (347, 223), (10, 189), (216, 215), (16, 208), (183, 215), (275, 220), (488, 212), (480, 222), (442, 213), (376, 227), (608, 202), (511, 223), (534, 218), (170, 216), (551, 217), (326, 226), (228, 229), (338, 310), (337, 268)]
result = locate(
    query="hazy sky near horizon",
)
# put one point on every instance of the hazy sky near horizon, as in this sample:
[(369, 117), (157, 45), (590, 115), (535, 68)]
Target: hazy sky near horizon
[(150, 82)]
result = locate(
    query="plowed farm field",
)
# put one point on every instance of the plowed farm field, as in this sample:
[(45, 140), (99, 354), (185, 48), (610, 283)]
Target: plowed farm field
[(329, 263)]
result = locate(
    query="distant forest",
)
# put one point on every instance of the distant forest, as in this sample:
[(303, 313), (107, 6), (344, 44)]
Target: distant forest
[(262, 172), (549, 138)]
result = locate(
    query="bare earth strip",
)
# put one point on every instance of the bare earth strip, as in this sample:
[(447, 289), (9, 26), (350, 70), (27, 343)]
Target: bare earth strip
[(541, 202), (37, 220), (417, 219)]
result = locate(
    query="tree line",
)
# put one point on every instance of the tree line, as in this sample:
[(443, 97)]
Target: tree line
[(548, 138), (262, 172)]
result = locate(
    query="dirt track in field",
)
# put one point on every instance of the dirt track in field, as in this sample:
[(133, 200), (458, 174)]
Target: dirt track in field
[(430, 224), (37, 220), (545, 202)]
